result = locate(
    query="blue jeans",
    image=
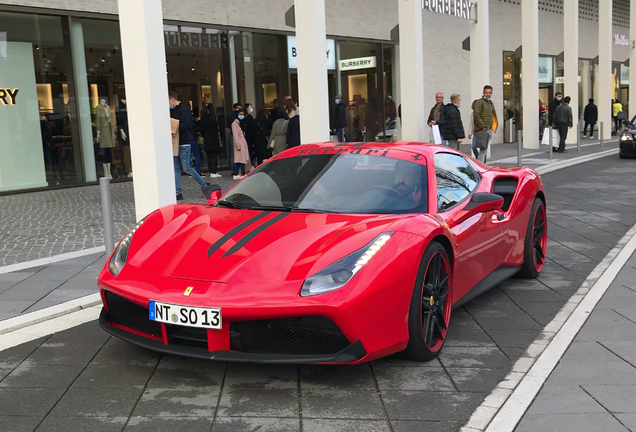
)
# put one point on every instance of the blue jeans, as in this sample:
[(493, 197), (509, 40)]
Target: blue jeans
[(340, 133), (240, 167), (197, 155), (475, 149), (184, 159)]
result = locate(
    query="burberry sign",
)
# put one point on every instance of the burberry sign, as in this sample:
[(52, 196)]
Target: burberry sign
[(456, 8)]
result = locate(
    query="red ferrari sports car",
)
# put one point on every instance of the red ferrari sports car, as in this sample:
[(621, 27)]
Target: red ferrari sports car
[(326, 253)]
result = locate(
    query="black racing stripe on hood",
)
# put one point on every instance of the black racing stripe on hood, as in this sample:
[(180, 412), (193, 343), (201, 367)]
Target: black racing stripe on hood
[(256, 231), (220, 242)]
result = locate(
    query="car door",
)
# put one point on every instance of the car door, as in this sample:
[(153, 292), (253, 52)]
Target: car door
[(480, 238)]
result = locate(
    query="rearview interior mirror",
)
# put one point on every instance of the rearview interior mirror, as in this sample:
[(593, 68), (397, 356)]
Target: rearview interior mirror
[(212, 193), (482, 202)]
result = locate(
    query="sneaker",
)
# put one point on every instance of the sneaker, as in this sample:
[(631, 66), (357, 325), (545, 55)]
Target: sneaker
[(215, 175), (555, 149), (237, 177), (584, 136), (179, 197), (200, 174)]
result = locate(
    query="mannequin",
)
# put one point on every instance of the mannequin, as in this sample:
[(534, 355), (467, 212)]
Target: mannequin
[(105, 134)]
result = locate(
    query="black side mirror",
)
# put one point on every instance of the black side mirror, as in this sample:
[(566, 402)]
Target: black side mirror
[(212, 193)]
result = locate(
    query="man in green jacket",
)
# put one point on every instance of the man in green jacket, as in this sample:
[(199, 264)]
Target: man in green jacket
[(485, 118)]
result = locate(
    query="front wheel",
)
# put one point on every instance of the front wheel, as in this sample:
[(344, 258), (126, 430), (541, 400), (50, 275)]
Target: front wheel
[(431, 303), (536, 241)]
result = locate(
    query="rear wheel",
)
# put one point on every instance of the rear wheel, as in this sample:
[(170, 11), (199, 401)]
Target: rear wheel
[(431, 303), (536, 241)]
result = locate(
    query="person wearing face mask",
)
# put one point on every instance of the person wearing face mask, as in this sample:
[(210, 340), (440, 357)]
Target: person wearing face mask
[(249, 127), (241, 151), (485, 119), (340, 118), (553, 107), (453, 128)]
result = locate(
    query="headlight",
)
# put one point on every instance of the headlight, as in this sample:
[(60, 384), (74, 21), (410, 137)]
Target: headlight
[(339, 273), (121, 251), (627, 137)]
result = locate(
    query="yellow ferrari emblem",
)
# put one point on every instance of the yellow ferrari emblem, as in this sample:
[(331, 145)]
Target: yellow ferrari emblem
[(432, 301), (188, 291)]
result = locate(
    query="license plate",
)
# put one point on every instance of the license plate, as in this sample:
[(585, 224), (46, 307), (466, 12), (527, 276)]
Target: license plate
[(188, 316)]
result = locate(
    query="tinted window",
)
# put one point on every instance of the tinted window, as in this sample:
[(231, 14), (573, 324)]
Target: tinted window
[(456, 179), (340, 183)]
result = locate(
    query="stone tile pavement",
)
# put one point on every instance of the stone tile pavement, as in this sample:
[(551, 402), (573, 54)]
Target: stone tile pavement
[(81, 379), (593, 387)]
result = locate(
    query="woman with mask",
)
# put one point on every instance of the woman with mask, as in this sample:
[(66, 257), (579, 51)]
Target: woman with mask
[(212, 143), (293, 128), (278, 137), (241, 152)]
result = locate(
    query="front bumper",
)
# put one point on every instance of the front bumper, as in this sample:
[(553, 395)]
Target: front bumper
[(355, 351), (627, 149)]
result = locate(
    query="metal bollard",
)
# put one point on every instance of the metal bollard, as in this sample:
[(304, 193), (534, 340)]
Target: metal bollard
[(519, 148), (600, 135), (550, 140), (578, 136), (107, 214)]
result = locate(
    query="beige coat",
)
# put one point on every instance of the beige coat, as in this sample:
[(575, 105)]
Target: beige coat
[(279, 135), (174, 129), (104, 125), (241, 152)]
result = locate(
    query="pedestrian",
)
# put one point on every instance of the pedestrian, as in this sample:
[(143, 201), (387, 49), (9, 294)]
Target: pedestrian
[(485, 119), (181, 112), (590, 115), (340, 118), (563, 122), (436, 116), (293, 127), (542, 114), (278, 137), (289, 98), (453, 129), (241, 151), (617, 109), (212, 143), (263, 131), (553, 106), (249, 127), (230, 120)]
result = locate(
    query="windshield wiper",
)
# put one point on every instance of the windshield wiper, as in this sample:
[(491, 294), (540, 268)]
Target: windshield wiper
[(311, 210), (234, 205), (229, 204)]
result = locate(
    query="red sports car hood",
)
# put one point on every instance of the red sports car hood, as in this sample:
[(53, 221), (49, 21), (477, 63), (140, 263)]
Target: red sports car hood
[(226, 245)]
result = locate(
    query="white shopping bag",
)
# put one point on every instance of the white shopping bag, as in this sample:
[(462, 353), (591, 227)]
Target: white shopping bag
[(437, 136), (555, 137)]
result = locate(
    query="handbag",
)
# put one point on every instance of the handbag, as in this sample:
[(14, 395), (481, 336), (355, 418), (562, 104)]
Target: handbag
[(481, 139)]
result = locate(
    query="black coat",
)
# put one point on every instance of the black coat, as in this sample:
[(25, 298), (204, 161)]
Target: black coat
[(209, 129), (591, 113), (340, 116), (552, 109), (293, 132), (182, 113), (452, 128)]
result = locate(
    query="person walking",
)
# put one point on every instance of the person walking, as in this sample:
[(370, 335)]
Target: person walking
[(436, 116), (194, 144), (453, 129), (340, 118), (293, 128), (278, 137), (485, 119), (230, 120), (249, 127), (263, 131), (617, 109), (590, 116), (181, 112), (241, 151), (212, 144), (553, 106), (563, 122)]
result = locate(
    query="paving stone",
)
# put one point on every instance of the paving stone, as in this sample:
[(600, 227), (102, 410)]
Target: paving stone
[(344, 404), (476, 379), (7, 315), (19, 423), (251, 402), (568, 399), (31, 375), (435, 406), (114, 376), (83, 424), (626, 350), (119, 352), (95, 402), (85, 334), (169, 424), (408, 378), (628, 420), (398, 359), (618, 296), (20, 294), (28, 402), (328, 425), (534, 308), (14, 306), (570, 422), (520, 321), (315, 377), (471, 357), (59, 353), (181, 401), (194, 377), (606, 326), (614, 398), (261, 376), (428, 426), (255, 425), (514, 338)]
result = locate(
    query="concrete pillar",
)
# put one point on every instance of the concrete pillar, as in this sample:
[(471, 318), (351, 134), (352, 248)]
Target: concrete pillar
[(233, 81), (248, 67), (412, 70), (571, 61), (84, 106), (632, 59), (480, 52), (530, 73), (604, 76), (144, 58), (313, 94)]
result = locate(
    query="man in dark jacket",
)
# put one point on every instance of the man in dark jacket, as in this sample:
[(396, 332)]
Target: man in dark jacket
[(340, 118), (590, 115), (436, 116), (552, 108), (249, 127), (563, 122), (453, 129)]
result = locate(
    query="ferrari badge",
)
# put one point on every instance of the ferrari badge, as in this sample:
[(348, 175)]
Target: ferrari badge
[(188, 291), (432, 301)]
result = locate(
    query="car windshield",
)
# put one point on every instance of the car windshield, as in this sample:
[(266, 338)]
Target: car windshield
[(339, 183)]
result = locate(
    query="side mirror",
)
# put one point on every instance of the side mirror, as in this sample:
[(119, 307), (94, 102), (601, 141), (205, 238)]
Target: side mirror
[(626, 122), (212, 193), (482, 202)]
